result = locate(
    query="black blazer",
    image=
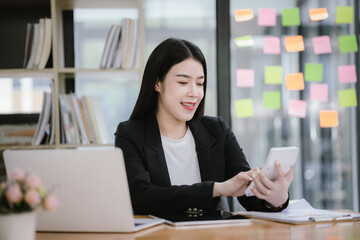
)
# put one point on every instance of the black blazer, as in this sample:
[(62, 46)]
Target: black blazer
[(220, 158)]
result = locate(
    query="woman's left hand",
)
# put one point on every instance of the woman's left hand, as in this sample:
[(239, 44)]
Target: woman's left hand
[(274, 192)]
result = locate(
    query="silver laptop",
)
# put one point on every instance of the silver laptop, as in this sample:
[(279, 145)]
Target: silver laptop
[(90, 184)]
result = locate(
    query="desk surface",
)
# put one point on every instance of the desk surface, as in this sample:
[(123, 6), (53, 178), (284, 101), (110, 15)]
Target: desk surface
[(258, 229)]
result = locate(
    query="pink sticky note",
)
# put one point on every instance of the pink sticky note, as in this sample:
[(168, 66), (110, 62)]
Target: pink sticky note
[(271, 45), (347, 74), (319, 92), (297, 108), (267, 17), (321, 45), (245, 77)]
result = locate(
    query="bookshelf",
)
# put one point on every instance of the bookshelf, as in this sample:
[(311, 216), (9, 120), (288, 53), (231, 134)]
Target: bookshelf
[(21, 12)]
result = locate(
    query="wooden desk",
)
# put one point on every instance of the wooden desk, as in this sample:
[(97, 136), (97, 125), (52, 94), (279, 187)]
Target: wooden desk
[(258, 229)]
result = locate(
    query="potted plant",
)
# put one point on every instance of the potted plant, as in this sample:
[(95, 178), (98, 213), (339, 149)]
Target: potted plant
[(20, 195)]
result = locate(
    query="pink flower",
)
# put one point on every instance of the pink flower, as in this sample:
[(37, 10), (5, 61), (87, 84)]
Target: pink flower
[(51, 203), (33, 181), (32, 198), (17, 174), (14, 194)]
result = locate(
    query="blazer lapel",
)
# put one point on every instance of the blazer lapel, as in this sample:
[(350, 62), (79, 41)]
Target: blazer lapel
[(155, 156), (204, 142)]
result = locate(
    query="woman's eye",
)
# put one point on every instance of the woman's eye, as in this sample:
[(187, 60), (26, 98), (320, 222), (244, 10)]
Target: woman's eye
[(200, 84), (183, 83)]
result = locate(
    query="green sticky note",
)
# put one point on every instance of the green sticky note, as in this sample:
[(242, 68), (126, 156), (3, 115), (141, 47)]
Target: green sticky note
[(273, 75), (348, 44), (272, 99), (244, 108), (291, 17), (244, 41), (344, 14), (313, 72), (347, 97)]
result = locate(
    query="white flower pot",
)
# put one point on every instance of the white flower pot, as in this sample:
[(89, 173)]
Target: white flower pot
[(18, 226)]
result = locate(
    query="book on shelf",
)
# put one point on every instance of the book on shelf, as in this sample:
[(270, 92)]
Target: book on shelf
[(34, 45), (120, 48), (114, 44), (28, 43), (44, 133), (108, 42), (38, 44), (133, 44), (71, 126), (86, 120), (97, 120), (79, 119), (46, 48)]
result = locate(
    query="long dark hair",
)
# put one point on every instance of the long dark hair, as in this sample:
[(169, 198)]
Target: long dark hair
[(167, 54)]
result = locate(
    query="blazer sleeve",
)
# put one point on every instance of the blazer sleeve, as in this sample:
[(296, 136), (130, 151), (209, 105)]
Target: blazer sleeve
[(148, 198), (236, 162)]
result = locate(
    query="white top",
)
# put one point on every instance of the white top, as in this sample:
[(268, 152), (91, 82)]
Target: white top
[(181, 159)]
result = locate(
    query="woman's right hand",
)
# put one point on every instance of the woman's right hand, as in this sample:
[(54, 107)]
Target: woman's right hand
[(236, 186)]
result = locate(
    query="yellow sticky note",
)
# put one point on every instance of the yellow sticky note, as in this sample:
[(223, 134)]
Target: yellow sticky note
[(294, 81), (244, 108), (294, 43), (318, 14), (242, 15), (328, 119)]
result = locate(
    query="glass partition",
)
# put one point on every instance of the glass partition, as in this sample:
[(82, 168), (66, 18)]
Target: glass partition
[(289, 66)]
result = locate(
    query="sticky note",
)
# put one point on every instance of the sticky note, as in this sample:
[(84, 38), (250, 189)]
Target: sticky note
[(297, 108), (271, 45), (244, 41), (347, 97), (347, 74), (244, 108), (321, 44), (291, 17), (242, 15), (273, 74), (348, 44), (294, 81), (245, 77), (294, 43), (272, 99), (328, 119), (267, 17), (318, 14), (319, 92), (313, 72), (344, 14)]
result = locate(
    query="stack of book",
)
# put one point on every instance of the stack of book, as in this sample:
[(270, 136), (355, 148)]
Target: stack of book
[(82, 121), (38, 44), (121, 45)]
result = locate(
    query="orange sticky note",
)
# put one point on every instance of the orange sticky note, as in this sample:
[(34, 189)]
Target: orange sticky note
[(242, 15), (294, 43), (328, 119), (294, 81), (318, 14)]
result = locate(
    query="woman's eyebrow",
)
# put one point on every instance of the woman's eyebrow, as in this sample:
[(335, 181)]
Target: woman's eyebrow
[(187, 76), (182, 75)]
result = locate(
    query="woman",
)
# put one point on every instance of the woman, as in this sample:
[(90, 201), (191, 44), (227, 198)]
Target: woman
[(175, 157)]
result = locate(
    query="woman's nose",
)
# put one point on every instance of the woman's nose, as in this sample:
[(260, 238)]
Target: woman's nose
[(193, 91)]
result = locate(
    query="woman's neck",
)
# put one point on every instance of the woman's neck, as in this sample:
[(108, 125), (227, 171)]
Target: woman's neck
[(171, 128)]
